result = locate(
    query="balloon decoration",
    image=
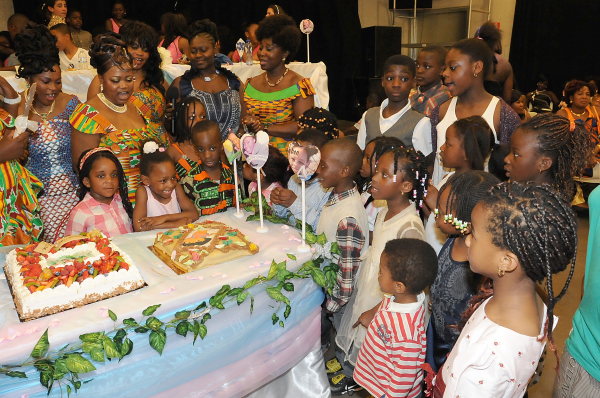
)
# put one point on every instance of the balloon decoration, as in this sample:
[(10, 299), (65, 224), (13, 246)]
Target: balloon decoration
[(304, 161), (256, 151)]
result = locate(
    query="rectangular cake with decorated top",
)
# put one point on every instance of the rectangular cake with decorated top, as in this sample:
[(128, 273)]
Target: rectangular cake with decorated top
[(201, 245), (76, 270)]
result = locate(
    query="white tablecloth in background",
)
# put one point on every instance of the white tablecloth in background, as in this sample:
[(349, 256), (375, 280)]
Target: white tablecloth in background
[(77, 82)]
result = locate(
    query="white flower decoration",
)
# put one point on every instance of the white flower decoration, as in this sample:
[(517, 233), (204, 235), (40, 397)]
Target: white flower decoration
[(150, 147), (165, 57), (324, 251)]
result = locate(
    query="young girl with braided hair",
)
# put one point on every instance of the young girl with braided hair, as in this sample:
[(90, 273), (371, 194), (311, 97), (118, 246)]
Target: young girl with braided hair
[(373, 151), (520, 234), (320, 119), (401, 179), (549, 149), (455, 283)]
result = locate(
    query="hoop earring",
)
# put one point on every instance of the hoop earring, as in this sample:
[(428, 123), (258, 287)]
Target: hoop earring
[(500, 272)]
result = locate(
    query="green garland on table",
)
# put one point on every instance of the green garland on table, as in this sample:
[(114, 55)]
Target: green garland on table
[(65, 365)]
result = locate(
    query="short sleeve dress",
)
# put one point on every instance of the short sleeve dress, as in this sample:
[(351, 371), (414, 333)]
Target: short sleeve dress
[(276, 107), (125, 144), (20, 221)]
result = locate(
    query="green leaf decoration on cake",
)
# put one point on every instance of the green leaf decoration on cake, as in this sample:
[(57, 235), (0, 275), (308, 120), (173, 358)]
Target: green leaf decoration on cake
[(150, 310), (41, 347), (158, 339), (78, 364)]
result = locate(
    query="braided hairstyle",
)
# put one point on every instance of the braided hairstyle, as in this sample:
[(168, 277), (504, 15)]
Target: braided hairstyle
[(139, 35), (465, 191), (567, 144), (537, 224), (414, 166), (477, 140), (205, 28), (36, 50), (320, 119), (86, 168), (383, 144), (183, 125), (109, 50)]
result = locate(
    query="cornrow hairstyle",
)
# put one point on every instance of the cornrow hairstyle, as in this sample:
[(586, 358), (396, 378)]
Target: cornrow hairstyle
[(465, 191), (477, 140), (496, 161), (414, 166), (537, 224), (205, 28), (150, 159), (36, 50), (412, 262), (567, 144), (86, 168), (574, 86), (320, 119), (283, 31), (477, 50), (139, 35), (109, 50), (383, 144), (183, 125), (276, 168)]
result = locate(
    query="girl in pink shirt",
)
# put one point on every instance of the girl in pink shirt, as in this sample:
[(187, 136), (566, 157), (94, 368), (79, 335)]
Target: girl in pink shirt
[(160, 200), (103, 192)]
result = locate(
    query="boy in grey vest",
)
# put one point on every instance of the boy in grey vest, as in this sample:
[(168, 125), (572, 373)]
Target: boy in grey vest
[(395, 118)]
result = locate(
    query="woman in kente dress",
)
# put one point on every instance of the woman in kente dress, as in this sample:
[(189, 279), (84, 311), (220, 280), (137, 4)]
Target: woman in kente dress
[(273, 101), (106, 119), (149, 84), (50, 146), (20, 221)]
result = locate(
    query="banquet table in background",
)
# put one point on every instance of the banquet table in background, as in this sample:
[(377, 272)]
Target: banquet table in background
[(77, 82), (242, 354)]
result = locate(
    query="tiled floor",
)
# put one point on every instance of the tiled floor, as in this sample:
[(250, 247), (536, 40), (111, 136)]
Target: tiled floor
[(565, 310)]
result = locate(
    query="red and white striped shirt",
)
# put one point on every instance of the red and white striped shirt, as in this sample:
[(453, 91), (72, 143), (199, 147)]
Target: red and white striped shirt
[(390, 359)]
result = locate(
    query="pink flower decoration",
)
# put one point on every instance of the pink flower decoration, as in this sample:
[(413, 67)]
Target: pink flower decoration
[(285, 227), (168, 291), (54, 323), (293, 238), (25, 396), (32, 330), (103, 312), (195, 278), (216, 274), (285, 249), (224, 276)]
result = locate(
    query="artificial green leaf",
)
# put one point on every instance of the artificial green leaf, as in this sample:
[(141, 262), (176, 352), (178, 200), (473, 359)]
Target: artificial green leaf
[(251, 209), (41, 347), (150, 310), (307, 266), (205, 318), (68, 390), (281, 323), (276, 295), (110, 348), (318, 277), (153, 323), (158, 339), (43, 365), (235, 292), (120, 335), (335, 248), (287, 311), (281, 266), (90, 337), (252, 282), (196, 330), (112, 315), (46, 379), (60, 365), (274, 318), (77, 385), (97, 355), (272, 271), (202, 330), (182, 328), (14, 373), (182, 314), (78, 364), (223, 290), (130, 322), (241, 297), (88, 347), (311, 238), (202, 305), (141, 329), (219, 305), (291, 256), (322, 239), (252, 217), (283, 274), (288, 286), (251, 304), (126, 347)]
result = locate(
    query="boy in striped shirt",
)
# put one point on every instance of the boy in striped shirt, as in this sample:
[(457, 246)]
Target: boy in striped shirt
[(390, 359)]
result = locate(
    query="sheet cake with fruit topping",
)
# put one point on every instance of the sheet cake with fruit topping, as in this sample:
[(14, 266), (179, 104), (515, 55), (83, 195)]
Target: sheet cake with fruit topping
[(77, 270), (201, 245)]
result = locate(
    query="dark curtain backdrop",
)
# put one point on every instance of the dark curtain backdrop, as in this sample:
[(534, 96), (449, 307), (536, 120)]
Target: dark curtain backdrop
[(554, 37), (336, 39)]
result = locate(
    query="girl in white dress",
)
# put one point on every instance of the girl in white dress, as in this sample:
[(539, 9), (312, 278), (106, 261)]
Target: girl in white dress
[(401, 179), (520, 235)]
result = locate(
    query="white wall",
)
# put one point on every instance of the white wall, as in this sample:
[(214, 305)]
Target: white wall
[(442, 28)]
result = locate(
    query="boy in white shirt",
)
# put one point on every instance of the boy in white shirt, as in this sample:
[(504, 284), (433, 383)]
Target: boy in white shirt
[(69, 53)]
